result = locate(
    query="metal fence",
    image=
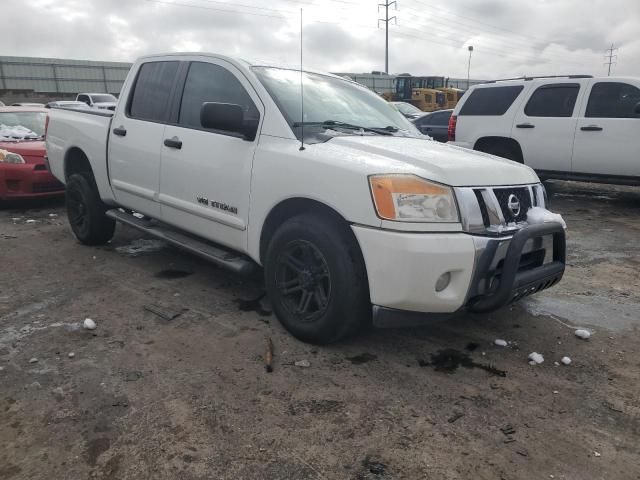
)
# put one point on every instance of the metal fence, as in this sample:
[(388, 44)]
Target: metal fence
[(59, 76)]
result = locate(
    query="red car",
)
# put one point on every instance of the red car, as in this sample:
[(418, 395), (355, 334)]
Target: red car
[(23, 169)]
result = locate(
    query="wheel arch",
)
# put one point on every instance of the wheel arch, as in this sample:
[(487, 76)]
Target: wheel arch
[(290, 208), (76, 161), (483, 144)]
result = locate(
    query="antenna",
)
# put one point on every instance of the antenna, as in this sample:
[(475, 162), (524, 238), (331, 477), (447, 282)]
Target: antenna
[(301, 91)]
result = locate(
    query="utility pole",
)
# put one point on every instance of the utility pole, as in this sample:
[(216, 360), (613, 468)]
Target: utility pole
[(386, 21), (469, 65), (611, 58)]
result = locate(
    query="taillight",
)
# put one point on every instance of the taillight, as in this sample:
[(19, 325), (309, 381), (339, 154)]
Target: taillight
[(46, 125), (451, 131)]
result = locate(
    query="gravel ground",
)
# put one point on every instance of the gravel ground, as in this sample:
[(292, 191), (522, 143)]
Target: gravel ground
[(189, 398)]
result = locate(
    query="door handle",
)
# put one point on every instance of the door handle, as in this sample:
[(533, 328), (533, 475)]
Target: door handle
[(525, 125), (120, 131), (174, 142), (591, 128)]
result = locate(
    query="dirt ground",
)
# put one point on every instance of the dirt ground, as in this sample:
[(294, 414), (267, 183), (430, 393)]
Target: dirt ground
[(189, 398)]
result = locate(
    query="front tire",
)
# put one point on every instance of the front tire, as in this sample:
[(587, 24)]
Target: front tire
[(86, 212), (316, 279)]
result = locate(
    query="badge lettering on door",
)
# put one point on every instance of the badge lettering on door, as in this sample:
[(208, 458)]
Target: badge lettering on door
[(217, 205)]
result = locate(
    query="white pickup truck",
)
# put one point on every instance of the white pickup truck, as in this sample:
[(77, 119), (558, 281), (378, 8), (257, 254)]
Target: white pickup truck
[(347, 207)]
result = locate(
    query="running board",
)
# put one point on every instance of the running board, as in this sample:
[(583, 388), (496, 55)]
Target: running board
[(216, 254)]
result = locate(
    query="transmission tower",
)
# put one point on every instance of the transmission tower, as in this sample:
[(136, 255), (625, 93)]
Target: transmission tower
[(611, 58), (386, 21)]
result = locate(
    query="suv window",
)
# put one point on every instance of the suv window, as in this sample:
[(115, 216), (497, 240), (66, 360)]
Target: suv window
[(613, 100), (207, 82), (84, 98), (490, 100), (150, 96), (555, 100)]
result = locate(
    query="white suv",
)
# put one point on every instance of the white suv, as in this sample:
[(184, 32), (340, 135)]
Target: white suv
[(570, 127)]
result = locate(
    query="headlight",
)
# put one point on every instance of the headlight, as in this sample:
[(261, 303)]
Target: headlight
[(8, 157), (409, 198)]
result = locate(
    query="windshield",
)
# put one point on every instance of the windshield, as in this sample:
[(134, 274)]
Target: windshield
[(330, 99), (22, 125), (103, 98), (407, 108)]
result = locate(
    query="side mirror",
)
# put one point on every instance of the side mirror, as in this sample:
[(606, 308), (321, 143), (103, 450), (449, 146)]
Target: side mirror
[(636, 109), (227, 117)]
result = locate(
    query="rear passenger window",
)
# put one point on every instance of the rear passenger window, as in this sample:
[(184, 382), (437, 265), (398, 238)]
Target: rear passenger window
[(151, 92), (207, 82), (613, 100), (555, 100), (490, 100)]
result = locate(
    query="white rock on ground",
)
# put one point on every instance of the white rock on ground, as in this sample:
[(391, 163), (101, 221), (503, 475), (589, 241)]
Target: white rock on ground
[(566, 360), (303, 363), (536, 358), (499, 342), (71, 355), (89, 324), (584, 334), (33, 360), (30, 221)]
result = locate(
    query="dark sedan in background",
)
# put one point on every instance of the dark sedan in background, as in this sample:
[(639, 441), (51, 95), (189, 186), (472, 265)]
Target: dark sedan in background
[(435, 124)]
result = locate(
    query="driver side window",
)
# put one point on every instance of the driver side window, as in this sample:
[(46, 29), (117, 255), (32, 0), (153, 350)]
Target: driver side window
[(207, 82)]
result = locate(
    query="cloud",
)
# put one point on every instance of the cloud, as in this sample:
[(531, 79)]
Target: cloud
[(509, 37)]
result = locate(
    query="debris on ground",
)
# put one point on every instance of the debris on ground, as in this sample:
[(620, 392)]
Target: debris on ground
[(535, 358), (142, 246), (508, 429), (303, 363), (33, 360), (31, 221), (582, 333), (89, 324), (499, 342), (53, 215), (566, 360), (71, 355), (58, 393), (164, 311), (596, 454), (448, 360), (268, 358), (455, 417), (362, 358)]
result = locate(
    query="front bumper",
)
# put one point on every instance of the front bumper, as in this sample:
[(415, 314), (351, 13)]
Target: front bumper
[(28, 180), (485, 273)]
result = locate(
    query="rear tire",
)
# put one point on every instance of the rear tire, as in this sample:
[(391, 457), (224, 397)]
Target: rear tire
[(316, 279), (86, 212)]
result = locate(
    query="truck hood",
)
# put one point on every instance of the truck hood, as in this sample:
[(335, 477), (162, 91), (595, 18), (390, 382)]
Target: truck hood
[(447, 164)]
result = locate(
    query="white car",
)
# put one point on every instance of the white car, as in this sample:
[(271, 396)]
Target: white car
[(104, 101), (347, 207), (572, 127)]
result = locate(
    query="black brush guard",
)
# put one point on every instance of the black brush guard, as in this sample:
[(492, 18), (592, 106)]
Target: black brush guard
[(514, 285)]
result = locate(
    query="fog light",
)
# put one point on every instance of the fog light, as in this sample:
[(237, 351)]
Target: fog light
[(443, 281)]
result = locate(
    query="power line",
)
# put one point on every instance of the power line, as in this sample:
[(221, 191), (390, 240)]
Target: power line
[(611, 57), (386, 21)]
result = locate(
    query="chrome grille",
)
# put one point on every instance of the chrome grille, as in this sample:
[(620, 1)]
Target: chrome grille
[(485, 210)]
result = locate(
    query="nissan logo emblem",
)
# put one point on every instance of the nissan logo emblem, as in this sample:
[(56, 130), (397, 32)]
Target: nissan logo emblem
[(513, 204)]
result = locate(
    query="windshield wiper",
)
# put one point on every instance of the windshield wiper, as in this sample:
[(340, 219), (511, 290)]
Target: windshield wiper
[(333, 124)]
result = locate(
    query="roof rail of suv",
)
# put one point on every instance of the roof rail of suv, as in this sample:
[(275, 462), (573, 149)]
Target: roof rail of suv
[(541, 76)]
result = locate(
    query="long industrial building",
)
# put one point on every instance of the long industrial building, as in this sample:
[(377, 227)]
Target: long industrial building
[(31, 79)]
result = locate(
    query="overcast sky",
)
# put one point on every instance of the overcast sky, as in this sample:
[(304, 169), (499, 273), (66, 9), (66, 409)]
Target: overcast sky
[(510, 37)]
